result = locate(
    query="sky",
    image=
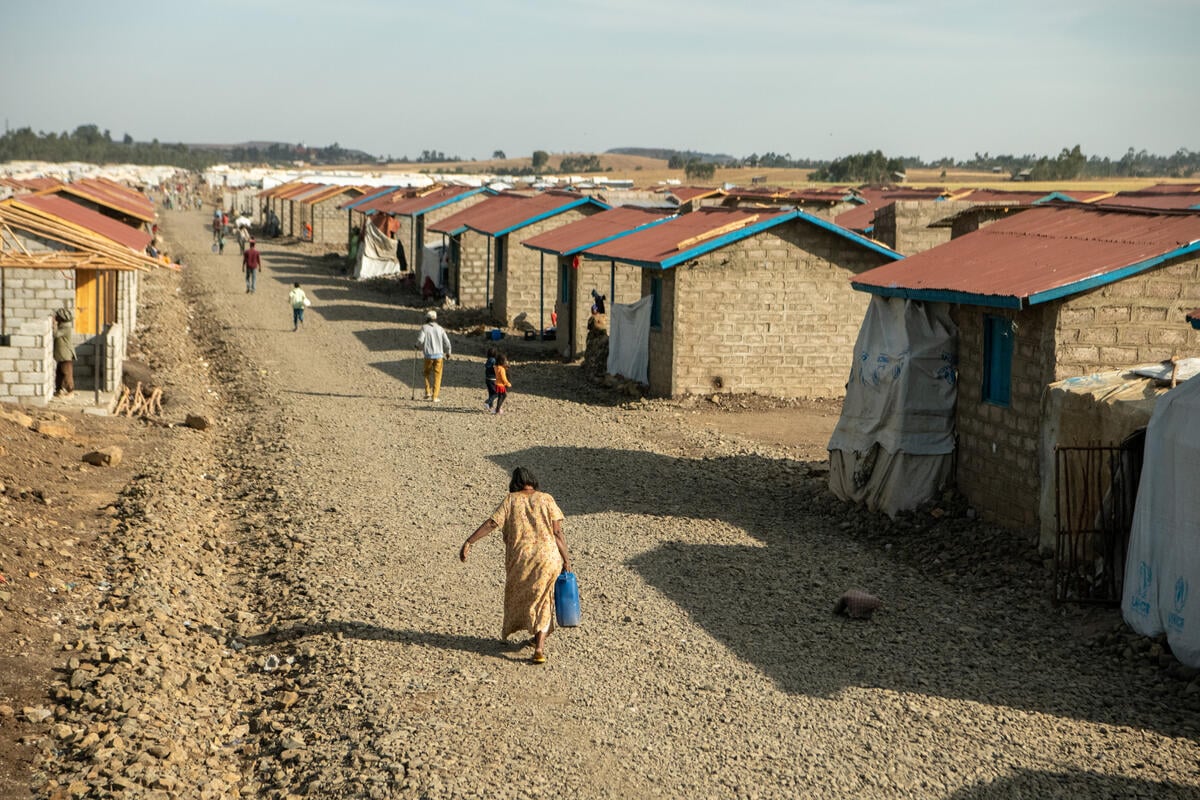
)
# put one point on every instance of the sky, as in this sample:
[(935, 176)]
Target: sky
[(818, 79)]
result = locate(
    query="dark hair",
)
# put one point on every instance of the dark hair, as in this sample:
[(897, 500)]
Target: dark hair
[(492, 352), (297, 284), (501, 359), (521, 478)]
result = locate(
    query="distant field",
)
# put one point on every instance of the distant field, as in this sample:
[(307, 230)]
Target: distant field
[(652, 171)]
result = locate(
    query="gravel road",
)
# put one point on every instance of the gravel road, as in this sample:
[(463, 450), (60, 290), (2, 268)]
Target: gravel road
[(708, 663)]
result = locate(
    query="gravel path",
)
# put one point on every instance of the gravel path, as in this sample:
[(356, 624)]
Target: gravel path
[(708, 663)]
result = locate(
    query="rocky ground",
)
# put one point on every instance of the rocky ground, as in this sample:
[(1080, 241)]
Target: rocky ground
[(273, 606)]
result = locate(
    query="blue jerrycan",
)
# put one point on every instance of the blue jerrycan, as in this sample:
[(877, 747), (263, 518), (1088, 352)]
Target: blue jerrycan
[(566, 600)]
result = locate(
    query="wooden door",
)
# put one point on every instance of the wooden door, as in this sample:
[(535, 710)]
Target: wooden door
[(95, 300)]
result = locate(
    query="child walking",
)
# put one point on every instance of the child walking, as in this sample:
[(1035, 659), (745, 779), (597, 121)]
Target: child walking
[(502, 384), (299, 302), (489, 378)]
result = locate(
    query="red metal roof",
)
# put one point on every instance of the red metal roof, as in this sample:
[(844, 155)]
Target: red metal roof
[(685, 193), (93, 221), (1152, 200), (131, 198), (661, 243), (1172, 188), (31, 184), (328, 191), (106, 197), (416, 204), (860, 218), (1043, 253), (597, 228), (467, 216), (491, 217)]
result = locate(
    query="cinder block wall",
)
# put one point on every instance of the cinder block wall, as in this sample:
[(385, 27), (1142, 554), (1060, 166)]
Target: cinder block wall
[(86, 348), (405, 235), (27, 364), (329, 223), (34, 294), (904, 224), (519, 289), (575, 313), (472, 270), (997, 446), (128, 285), (773, 315), (979, 219), (1137, 320), (428, 238)]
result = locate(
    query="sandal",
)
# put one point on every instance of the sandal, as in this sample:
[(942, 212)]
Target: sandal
[(538, 657)]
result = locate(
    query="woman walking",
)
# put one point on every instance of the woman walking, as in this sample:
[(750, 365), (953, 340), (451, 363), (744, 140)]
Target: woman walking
[(535, 553)]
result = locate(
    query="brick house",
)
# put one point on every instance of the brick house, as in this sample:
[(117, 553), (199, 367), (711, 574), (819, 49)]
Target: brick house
[(55, 253), (322, 209), (578, 277), (749, 300), (488, 269), (1052, 292)]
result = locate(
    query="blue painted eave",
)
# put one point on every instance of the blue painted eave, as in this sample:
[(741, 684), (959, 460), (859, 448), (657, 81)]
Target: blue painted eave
[(941, 296), (583, 201), (1110, 277)]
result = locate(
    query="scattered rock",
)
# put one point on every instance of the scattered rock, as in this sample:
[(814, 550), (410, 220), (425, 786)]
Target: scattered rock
[(857, 604), (198, 422), (104, 457), (53, 429)]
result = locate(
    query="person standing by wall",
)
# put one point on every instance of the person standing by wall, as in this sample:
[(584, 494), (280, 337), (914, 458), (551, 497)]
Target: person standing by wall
[(436, 345), (64, 353), (251, 261)]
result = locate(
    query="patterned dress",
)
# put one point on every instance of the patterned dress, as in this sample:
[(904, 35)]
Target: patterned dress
[(532, 562)]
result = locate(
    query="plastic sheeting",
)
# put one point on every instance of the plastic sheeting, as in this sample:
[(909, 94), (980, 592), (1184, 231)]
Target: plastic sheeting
[(629, 340), (893, 447), (1163, 560), (377, 256)]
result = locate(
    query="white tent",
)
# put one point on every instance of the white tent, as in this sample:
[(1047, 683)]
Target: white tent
[(377, 256), (893, 447), (1163, 560)]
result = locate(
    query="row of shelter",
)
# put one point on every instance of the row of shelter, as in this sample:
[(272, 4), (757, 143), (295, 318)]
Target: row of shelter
[(81, 246)]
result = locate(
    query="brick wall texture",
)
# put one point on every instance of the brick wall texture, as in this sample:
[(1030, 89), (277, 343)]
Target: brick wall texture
[(904, 224), (519, 286), (33, 294), (773, 314), (469, 276), (1137, 320), (27, 364), (329, 222)]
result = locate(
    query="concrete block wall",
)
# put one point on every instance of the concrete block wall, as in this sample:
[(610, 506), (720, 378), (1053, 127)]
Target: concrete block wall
[(34, 294), (470, 276), (1138, 320), (428, 238), (329, 222), (520, 288), (998, 468), (773, 315), (406, 234), (574, 315), (980, 218), (128, 286), (27, 364), (86, 347), (904, 224)]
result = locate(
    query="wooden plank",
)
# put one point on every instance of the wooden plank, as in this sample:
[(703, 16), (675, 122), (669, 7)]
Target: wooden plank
[(729, 228)]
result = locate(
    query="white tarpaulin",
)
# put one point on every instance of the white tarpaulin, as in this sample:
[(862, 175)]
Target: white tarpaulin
[(893, 447), (1163, 560), (629, 340), (377, 255), (431, 266)]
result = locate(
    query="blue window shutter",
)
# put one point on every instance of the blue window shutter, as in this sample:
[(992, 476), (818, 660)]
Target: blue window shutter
[(564, 283), (997, 360)]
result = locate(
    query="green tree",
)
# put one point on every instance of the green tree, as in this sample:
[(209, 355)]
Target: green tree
[(540, 158), (499, 155), (699, 170)]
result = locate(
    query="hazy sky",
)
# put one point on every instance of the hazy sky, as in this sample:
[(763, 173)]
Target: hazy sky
[(821, 79)]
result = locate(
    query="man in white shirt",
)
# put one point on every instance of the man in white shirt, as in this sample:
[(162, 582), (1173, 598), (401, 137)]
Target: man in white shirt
[(436, 345)]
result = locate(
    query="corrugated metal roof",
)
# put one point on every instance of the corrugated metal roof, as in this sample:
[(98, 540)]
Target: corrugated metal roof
[(1043, 253), (689, 236), (85, 218), (1152, 200), (596, 229), (686, 193), (458, 222), (131, 198), (513, 212), (327, 192), (384, 193), (1172, 188), (419, 204), (106, 198)]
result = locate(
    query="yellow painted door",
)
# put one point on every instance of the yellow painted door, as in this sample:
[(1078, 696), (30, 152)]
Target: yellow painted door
[(85, 300)]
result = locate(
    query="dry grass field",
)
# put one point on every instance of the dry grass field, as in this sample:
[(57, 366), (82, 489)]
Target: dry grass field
[(646, 172)]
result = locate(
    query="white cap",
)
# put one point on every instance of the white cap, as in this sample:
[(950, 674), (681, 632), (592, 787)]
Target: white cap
[(431, 315)]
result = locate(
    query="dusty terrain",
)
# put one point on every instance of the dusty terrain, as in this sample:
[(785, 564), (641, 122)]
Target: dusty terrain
[(273, 607)]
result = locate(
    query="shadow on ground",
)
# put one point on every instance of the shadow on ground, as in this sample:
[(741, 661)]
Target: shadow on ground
[(772, 604), (1045, 785)]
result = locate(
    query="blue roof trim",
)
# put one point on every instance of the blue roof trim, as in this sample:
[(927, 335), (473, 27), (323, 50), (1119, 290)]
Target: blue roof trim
[(444, 203), (1059, 196), (1110, 277), (845, 233), (718, 242), (583, 201), (367, 198), (581, 248), (642, 264), (941, 296)]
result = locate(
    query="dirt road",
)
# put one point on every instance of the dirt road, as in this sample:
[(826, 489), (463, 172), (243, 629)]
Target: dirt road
[(708, 664)]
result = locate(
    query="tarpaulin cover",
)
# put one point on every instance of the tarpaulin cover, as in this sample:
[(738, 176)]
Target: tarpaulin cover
[(378, 255), (629, 340), (1163, 560), (893, 445)]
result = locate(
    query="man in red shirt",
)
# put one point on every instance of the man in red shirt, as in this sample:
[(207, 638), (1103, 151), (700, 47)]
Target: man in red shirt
[(251, 261)]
